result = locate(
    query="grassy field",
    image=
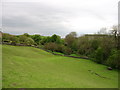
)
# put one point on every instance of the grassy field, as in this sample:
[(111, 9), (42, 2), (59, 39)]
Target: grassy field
[(34, 68)]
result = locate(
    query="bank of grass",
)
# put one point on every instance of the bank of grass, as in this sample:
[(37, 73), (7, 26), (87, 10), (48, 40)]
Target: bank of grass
[(74, 55), (58, 53), (34, 68)]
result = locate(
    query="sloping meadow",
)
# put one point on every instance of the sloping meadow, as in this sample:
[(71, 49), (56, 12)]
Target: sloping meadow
[(28, 67)]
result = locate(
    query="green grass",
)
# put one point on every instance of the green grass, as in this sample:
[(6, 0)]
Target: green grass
[(58, 53), (75, 55), (34, 68)]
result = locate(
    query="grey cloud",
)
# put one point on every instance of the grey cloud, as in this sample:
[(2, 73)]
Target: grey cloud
[(38, 20), (16, 22), (20, 17)]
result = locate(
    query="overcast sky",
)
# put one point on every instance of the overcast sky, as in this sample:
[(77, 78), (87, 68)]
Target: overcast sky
[(47, 17)]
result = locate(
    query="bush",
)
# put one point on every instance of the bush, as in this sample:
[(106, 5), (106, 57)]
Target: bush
[(99, 55), (94, 44), (5, 37), (58, 48), (36, 38), (22, 39), (26, 40), (67, 50), (29, 41), (114, 59), (50, 46), (10, 39)]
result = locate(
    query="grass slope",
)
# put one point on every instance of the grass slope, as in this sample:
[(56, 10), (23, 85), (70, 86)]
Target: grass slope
[(34, 68)]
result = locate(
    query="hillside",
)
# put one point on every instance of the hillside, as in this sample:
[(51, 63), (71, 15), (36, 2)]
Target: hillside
[(34, 68)]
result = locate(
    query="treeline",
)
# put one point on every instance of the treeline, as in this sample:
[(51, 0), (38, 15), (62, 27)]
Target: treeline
[(101, 48)]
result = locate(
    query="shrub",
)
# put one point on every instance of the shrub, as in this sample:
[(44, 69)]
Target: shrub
[(5, 37), (36, 38), (50, 46), (99, 55), (67, 50), (114, 59), (10, 39), (22, 38), (29, 41), (26, 40)]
